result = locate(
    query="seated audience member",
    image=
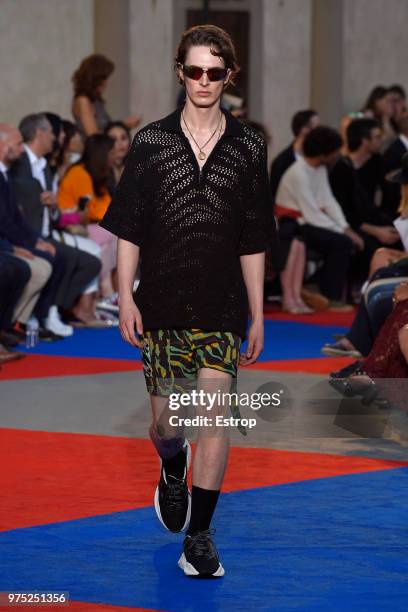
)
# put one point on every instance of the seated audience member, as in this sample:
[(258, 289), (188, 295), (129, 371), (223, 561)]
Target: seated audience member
[(73, 269), (302, 122), (14, 276), (304, 194), (344, 123), (379, 106), (120, 135), (39, 273), (389, 268), (373, 378), (392, 160), (84, 197), (292, 257), (84, 313), (71, 149), (374, 307), (400, 178), (398, 98), (372, 223), (59, 137)]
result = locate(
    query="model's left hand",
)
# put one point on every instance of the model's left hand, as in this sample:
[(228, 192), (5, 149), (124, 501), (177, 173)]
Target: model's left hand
[(255, 343)]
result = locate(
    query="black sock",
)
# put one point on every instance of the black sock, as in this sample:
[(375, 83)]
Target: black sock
[(203, 502), (176, 465)]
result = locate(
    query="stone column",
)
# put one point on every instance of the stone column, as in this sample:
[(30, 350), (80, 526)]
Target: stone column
[(151, 55), (286, 33)]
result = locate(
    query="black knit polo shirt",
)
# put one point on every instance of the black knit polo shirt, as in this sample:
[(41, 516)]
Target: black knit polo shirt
[(191, 225)]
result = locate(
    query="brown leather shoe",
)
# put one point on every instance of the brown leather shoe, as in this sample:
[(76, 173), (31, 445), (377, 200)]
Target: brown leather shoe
[(6, 356), (314, 300), (340, 307)]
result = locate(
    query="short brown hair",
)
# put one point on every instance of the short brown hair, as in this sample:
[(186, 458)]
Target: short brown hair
[(217, 39), (91, 73)]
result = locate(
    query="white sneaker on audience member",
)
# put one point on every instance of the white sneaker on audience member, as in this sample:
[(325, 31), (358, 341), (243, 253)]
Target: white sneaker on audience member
[(54, 324)]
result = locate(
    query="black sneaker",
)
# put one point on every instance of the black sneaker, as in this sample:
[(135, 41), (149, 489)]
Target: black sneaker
[(172, 499), (45, 335), (200, 557)]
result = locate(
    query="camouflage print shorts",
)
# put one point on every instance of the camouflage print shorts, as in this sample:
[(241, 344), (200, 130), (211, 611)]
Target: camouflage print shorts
[(171, 358)]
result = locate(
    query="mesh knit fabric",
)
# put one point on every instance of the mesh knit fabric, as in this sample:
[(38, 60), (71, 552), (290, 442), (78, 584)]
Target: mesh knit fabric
[(192, 225)]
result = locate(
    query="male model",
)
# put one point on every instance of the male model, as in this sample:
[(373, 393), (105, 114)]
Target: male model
[(194, 202)]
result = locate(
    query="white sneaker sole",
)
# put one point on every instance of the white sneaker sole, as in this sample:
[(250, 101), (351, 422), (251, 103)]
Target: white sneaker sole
[(60, 331), (189, 570), (156, 495)]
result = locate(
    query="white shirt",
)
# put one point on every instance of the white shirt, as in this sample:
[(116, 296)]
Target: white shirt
[(401, 225), (4, 170), (404, 140), (306, 190), (38, 165)]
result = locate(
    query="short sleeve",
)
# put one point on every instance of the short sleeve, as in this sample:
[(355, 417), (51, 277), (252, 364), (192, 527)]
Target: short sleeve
[(125, 215), (76, 184), (259, 228)]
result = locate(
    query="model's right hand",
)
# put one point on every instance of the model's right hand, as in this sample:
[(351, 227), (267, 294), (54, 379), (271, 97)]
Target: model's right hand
[(130, 319)]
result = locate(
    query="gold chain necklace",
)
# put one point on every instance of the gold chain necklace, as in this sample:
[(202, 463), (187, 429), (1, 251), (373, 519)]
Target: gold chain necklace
[(201, 154)]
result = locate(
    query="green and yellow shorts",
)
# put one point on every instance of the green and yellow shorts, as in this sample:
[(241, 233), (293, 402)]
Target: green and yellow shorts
[(171, 358)]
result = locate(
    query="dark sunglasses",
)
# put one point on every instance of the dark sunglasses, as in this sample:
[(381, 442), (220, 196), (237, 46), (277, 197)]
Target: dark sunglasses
[(195, 72)]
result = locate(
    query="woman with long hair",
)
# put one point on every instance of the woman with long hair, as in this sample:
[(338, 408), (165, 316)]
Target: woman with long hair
[(90, 80), (120, 134), (84, 198), (379, 106), (71, 149)]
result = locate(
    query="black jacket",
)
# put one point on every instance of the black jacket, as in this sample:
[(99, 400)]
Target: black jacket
[(356, 203), (279, 166), (13, 226)]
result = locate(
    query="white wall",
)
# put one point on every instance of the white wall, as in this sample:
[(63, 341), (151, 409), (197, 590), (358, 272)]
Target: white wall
[(375, 48), (41, 43)]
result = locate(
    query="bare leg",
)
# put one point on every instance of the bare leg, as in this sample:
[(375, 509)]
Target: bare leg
[(211, 454), (286, 276), (382, 258), (403, 341), (168, 440), (84, 309), (298, 277)]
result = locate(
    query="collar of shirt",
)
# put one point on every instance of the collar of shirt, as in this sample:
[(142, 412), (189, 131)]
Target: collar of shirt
[(308, 167), (37, 162), (233, 127), (4, 170), (404, 140)]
